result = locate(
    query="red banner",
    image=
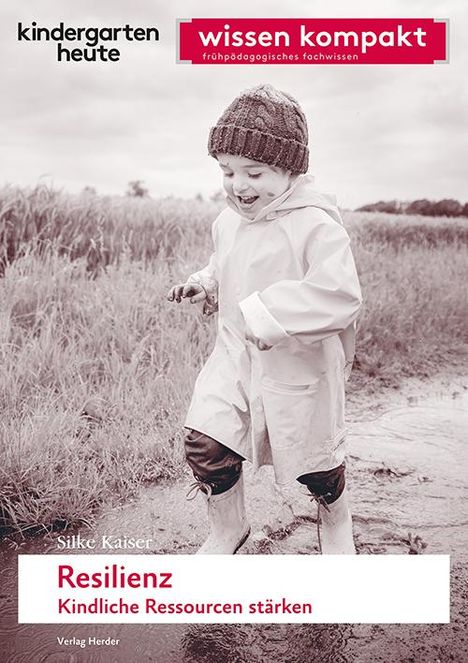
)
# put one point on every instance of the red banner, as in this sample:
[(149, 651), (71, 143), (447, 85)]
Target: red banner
[(312, 41)]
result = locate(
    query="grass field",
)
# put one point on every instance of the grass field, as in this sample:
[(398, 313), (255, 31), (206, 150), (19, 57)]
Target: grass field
[(97, 367)]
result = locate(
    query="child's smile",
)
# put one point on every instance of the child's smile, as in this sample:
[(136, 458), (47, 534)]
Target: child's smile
[(251, 185)]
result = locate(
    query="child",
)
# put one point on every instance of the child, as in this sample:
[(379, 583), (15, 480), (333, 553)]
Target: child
[(284, 280)]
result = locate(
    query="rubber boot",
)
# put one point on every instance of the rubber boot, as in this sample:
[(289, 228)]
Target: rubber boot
[(336, 528), (229, 528)]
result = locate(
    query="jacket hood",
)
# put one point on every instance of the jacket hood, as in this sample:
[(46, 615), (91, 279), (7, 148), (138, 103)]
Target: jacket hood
[(300, 194)]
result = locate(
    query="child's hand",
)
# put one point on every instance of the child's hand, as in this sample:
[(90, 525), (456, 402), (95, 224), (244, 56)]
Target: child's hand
[(195, 291), (256, 341)]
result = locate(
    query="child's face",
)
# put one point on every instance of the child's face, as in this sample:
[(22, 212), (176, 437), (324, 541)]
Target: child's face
[(252, 185)]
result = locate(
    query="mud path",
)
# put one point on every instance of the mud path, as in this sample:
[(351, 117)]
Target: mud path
[(407, 477)]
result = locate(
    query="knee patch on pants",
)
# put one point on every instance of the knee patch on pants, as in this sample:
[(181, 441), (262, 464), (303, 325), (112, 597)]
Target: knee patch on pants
[(328, 485), (211, 462)]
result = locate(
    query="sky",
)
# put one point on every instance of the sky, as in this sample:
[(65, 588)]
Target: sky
[(377, 132)]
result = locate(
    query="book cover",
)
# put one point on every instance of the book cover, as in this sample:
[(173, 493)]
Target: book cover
[(108, 194)]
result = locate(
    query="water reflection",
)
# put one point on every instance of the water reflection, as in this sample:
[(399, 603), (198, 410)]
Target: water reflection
[(260, 642)]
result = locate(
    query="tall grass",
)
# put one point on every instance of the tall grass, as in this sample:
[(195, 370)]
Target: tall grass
[(396, 231), (100, 229), (412, 272), (96, 368)]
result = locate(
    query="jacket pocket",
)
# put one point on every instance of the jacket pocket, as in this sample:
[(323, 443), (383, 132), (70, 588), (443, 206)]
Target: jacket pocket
[(286, 387), (290, 412)]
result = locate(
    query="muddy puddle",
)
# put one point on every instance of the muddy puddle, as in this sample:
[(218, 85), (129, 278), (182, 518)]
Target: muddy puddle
[(408, 485), (408, 475)]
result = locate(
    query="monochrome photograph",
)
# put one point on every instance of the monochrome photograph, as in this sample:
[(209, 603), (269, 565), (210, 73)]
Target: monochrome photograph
[(233, 311)]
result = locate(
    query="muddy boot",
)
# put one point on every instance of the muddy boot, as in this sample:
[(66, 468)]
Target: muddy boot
[(229, 528), (336, 527)]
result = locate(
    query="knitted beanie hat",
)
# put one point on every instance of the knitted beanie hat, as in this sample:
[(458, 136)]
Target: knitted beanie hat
[(266, 125)]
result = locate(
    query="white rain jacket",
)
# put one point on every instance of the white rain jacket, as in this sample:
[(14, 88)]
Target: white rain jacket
[(290, 274)]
